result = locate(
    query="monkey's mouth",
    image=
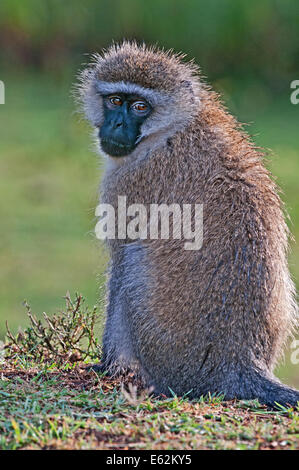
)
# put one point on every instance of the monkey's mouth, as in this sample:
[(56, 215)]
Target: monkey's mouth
[(115, 148)]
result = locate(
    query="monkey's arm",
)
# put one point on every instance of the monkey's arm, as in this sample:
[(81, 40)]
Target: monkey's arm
[(118, 348)]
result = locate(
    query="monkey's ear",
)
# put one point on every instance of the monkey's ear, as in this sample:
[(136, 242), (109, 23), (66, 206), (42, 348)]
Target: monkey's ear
[(89, 100)]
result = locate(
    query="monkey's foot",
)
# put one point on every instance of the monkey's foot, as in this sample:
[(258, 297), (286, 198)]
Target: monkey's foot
[(100, 368), (111, 370)]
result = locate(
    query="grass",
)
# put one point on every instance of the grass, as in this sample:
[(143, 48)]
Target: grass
[(58, 338), (48, 191), (42, 407), (51, 399)]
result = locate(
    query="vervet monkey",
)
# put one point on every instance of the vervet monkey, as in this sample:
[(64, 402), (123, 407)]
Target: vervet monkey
[(214, 319)]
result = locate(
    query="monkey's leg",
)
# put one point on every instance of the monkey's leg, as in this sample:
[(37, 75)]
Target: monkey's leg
[(118, 351)]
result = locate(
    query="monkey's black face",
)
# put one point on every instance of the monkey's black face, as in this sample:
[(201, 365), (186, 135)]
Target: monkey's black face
[(123, 116)]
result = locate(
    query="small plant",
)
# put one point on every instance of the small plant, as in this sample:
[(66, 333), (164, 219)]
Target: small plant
[(66, 336)]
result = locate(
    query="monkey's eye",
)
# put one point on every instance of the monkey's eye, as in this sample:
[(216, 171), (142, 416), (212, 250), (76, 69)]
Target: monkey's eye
[(140, 106), (115, 100)]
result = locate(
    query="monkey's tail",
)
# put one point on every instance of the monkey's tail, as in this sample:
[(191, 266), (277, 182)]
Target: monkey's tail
[(270, 391)]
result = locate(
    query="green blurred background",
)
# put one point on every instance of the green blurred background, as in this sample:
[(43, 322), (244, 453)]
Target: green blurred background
[(49, 174)]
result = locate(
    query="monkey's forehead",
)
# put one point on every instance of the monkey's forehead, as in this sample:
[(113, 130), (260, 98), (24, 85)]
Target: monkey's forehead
[(146, 66)]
